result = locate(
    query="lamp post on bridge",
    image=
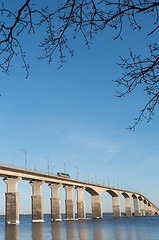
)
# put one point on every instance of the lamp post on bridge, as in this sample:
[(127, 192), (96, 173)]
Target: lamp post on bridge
[(88, 177), (108, 182), (95, 178), (103, 181), (35, 164), (25, 158), (48, 164), (77, 173), (65, 168)]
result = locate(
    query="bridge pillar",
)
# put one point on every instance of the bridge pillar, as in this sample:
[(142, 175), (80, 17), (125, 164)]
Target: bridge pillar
[(96, 207), (146, 209), (70, 211), (142, 209), (149, 209), (153, 210), (136, 207), (55, 202), (80, 203), (116, 207), (12, 200), (128, 211), (37, 201)]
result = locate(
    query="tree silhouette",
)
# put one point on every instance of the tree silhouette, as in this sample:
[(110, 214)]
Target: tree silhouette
[(84, 17)]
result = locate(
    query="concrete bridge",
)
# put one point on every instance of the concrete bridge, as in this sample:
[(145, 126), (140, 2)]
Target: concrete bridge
[(12, 176)]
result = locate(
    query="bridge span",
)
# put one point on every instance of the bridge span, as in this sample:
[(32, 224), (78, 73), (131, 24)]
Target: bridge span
[(12, 176)]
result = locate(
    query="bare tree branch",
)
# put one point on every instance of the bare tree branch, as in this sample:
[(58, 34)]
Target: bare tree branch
[(71, 18)]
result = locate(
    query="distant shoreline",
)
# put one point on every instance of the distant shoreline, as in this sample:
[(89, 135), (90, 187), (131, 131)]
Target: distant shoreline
[(63, 214)]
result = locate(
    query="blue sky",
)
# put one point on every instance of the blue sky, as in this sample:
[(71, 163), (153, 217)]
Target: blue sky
[(72, 117)]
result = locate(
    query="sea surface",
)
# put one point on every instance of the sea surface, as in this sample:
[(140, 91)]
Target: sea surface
[(135, 228)]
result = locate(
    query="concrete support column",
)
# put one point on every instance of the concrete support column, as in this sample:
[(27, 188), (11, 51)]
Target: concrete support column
[(142, 209), (70, 210), (128, 211), (146, 209), (37, 201), (116, 207), (55, 202), (153, 210), (96, 207), (81, 203), (12, 200), (136, 207), (149, 210)]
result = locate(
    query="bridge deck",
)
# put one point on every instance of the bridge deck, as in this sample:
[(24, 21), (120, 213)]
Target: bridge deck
[(29, 175)]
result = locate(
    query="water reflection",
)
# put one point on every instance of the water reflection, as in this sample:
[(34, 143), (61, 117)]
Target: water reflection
[(12, 232), (37, 231), (71, 231), (118, 233), (98, 234), (57, 230), (82, 230), (143, 235), (131, 234)]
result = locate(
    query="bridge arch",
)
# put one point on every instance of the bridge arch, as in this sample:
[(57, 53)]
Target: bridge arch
[(112, 193), (127, 203), (140, 198), (96, 203), (145, 201), (142, 205), (136, 205), (134, 196), (91, 191), (126, 195), (95, 190), (116, 203)]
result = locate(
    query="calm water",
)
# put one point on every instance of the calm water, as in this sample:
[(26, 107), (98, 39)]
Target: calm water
[(143, 228)]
